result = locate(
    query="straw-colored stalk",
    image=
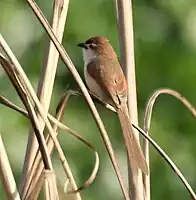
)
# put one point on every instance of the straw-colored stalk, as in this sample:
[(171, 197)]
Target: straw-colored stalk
[(147, 122), (125, 25), (7, 176), (46, 83)]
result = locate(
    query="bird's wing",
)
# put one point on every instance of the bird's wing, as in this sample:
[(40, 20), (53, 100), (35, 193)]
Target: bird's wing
[(114, 82), (108, 74)]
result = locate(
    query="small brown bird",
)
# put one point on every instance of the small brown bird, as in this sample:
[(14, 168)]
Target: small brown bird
[(105, 78)]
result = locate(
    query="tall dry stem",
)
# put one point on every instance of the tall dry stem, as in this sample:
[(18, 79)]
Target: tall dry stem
[(125, 27), (46, 83)]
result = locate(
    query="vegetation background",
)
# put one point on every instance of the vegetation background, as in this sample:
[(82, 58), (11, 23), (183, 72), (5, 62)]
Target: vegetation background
[(165, 53)]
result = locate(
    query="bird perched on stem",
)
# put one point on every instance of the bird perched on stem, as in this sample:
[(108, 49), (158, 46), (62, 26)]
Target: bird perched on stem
[(104, 77)]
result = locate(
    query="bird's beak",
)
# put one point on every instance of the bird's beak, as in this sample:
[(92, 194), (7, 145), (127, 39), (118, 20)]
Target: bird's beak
[(83, 45)]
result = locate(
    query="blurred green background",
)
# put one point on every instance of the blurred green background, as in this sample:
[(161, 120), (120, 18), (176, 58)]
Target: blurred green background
[(165, 53)]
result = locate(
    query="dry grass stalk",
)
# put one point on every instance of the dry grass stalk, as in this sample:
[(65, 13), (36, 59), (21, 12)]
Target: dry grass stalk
[(147, 121), (50, 190), (38, 166), (7, 176), (46, 83), (24, 84), (33, 118), (169, 161), (125, 24), (61, 156), (64, 162)]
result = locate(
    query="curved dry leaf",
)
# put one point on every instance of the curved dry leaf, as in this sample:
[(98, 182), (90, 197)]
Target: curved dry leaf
[(147, 121), (8, 103), (9, 69), (60, 112), (150, 104)]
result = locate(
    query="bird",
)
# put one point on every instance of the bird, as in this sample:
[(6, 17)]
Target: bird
[(104, 78)]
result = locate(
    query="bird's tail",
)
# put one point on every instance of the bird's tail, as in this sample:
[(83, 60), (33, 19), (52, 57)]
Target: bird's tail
[(135, 154)]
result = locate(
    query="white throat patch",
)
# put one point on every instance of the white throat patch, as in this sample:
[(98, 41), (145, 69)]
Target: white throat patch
[(88, 56)]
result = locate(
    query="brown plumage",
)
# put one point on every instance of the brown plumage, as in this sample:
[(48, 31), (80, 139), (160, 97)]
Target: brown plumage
[(105, 78)]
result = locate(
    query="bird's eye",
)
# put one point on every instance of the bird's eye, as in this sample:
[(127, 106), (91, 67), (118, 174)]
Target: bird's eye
[(92, 45)]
